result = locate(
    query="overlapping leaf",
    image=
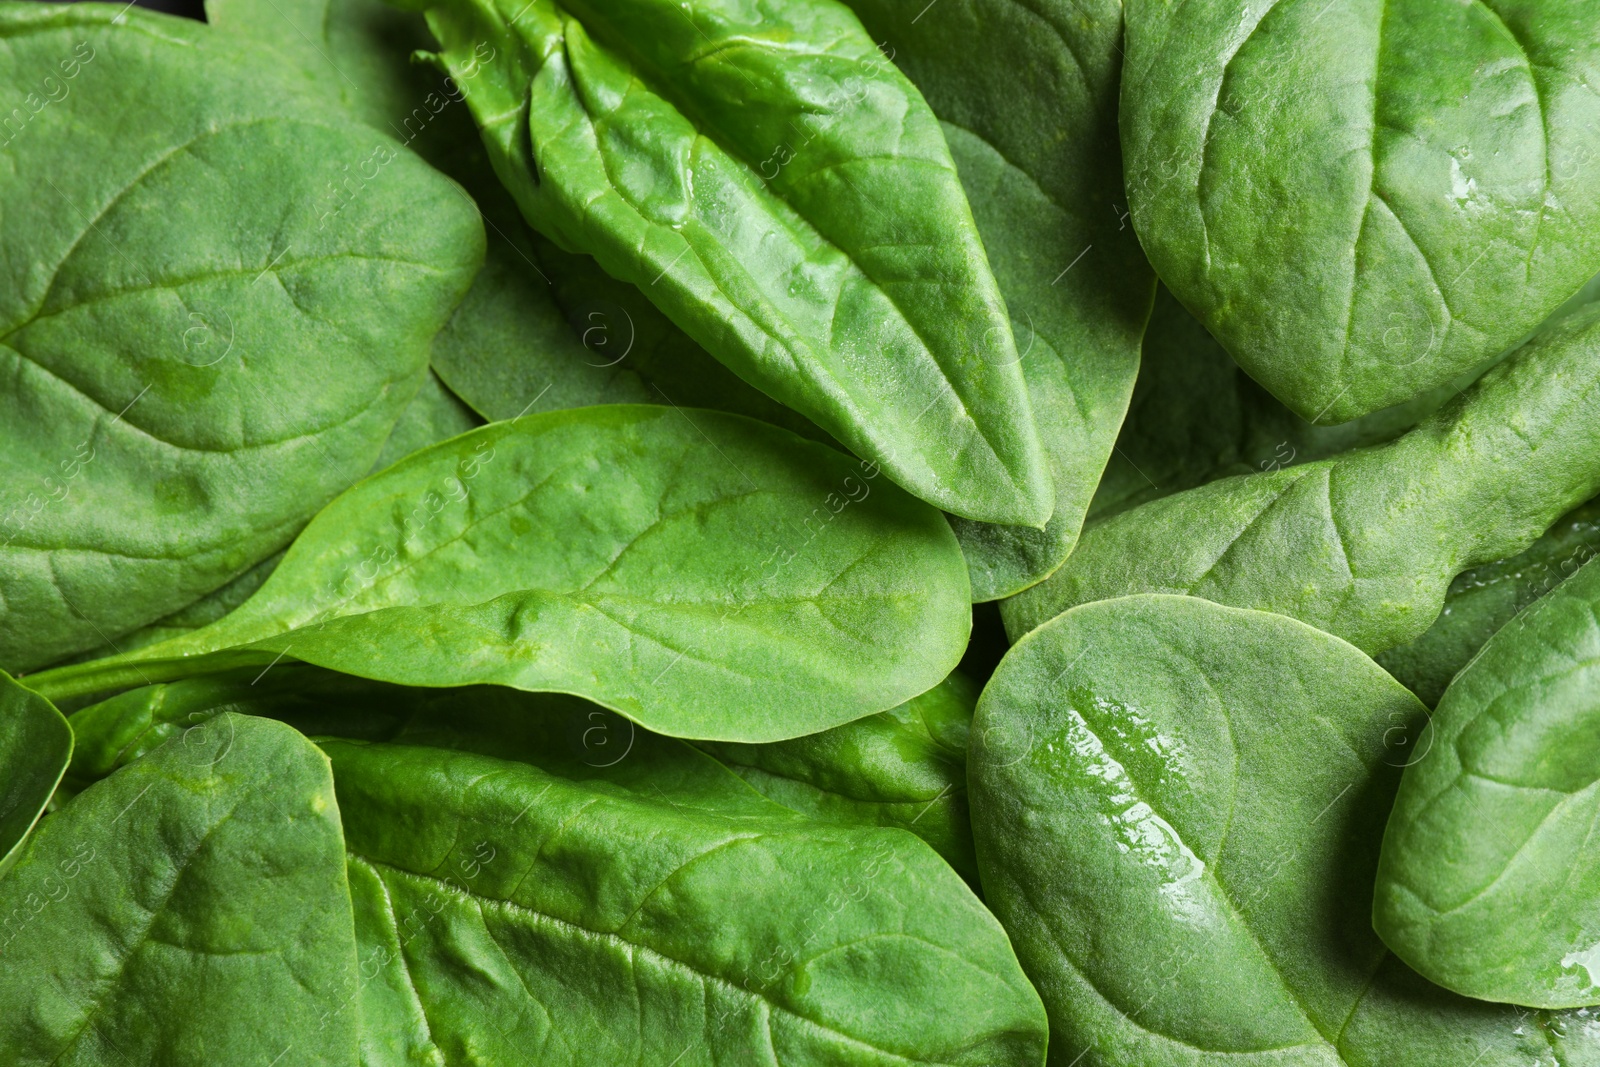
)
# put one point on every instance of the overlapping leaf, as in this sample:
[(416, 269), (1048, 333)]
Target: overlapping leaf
[(704, 574), (1364, 199), (191, 376)]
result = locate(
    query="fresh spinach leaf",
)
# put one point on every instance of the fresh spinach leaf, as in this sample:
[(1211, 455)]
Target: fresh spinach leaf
[(599, 341), (641, 916), (1052, 213), (1484, 599), (727, 580), (905, 767), (783, 194), (1365, 545), (35, 749), (435, 414), (540, 329), (1488, 882), (191, 376), (1196, 417), (1177, 808), (578, 852), (1364, 200), (190, 909)]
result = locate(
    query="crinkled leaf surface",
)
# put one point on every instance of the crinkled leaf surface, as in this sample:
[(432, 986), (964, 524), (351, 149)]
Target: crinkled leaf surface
[(190, 909), (1365, 545), (1178, 808), (35, 749), (1484, 599), (772, 183), (904, 767), (654, 913), (1027, 95), (1363, 199), (704, 574), (1489, 881), (192, 375)]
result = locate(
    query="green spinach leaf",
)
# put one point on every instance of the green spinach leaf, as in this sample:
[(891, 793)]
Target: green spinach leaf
[(783, 194), (1489, 883), (1028, 99), (1364, 200), (1484, 599), (1196, 417), (1177, 808), (653, 914), (191, 377), (704, 574), (1365, 545), (905, 767), (35, 750), (190, 909), (435, 414), (540, 329)]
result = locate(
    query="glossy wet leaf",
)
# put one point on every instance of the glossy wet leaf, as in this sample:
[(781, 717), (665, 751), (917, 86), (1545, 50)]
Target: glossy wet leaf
[(1365, 545), (1362, 200), (784, 195), (35, 749), (704, 574), (190, 909), (1484, 599), (1178, 808), (655, 912), (905, 767), (1028, 100), (179, 408), (1488, 882)]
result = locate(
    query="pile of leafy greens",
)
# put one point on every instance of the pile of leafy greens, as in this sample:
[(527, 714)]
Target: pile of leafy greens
[(800, 532)]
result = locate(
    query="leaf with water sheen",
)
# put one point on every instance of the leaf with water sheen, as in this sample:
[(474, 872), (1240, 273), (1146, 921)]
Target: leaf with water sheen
[(1178, 808), (1488, 883)]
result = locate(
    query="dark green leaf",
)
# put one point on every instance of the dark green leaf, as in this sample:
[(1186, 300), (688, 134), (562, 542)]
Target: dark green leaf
[(1483, 599), (904, 767), (783, 194), (1365, 545), (1489, 882), (190, 909), (1196, 417), (1028, 99), (191, 377), (35, 749), (1177, 809), (1364, 200), (704, 574)]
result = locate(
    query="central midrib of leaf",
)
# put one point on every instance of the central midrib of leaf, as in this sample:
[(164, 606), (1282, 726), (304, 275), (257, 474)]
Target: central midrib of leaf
[(698, 973)]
